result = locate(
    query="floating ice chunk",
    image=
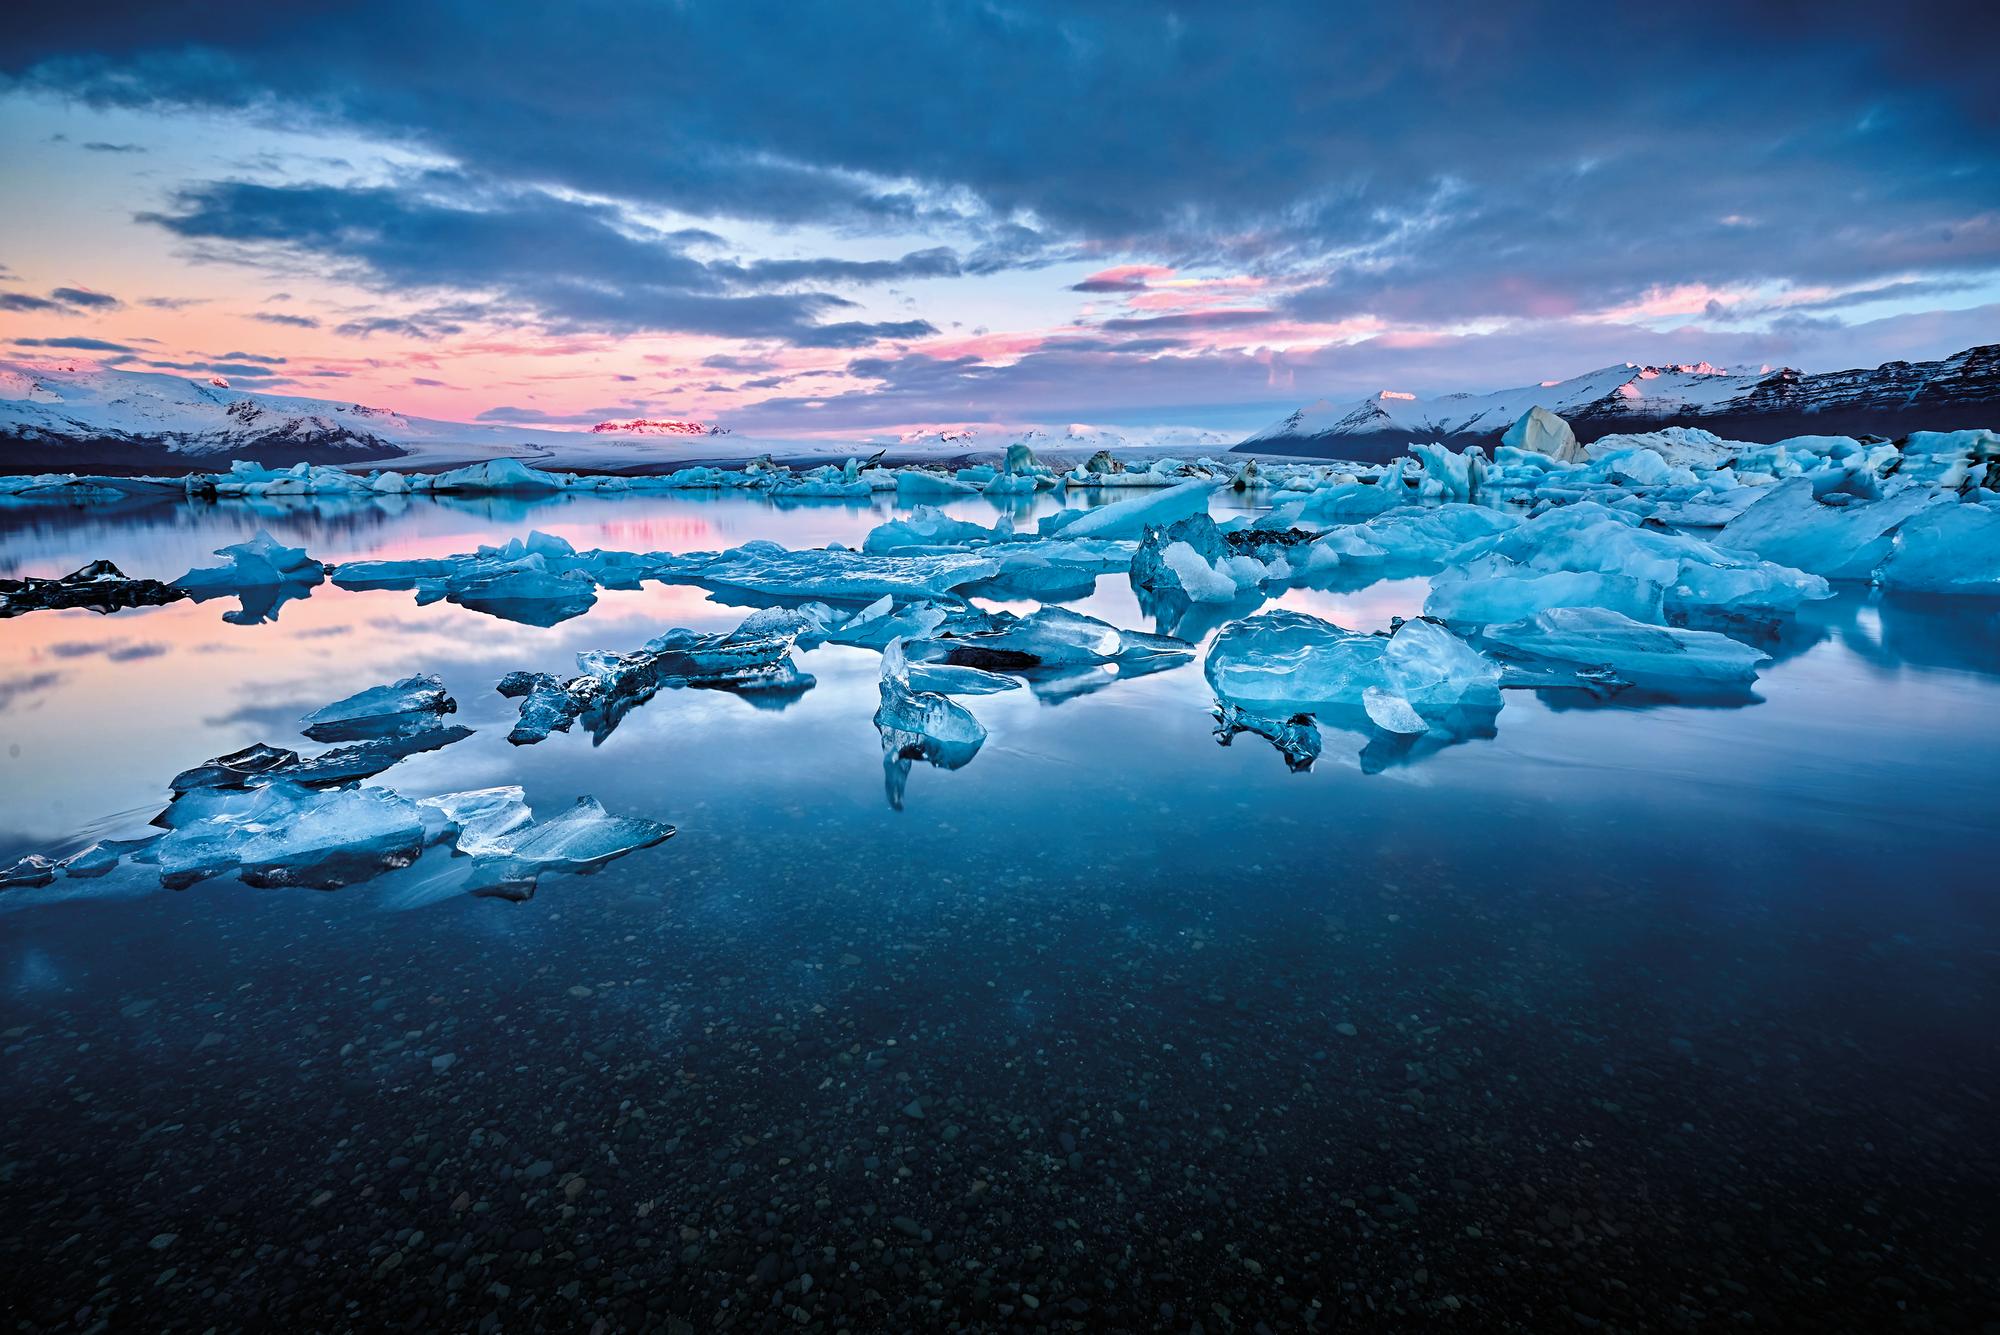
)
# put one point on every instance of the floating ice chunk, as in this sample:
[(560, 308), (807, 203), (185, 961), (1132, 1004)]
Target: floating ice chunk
[(919, 725), (262, 562), (1539, 431), (914, 484), (930, 717), (1589, 555), (1949, 548), (580, 840), (477, 821), (380, 710), (1132, 517), (1458, 477), (1790, 526), (879, 622), (99, 586), (497, 475), (613, 684), (1283, 661), (1392, 713), (260, 764), (102, 857), (1051, 637), (284, 834), (31, 871), (1643, 655), (1194, 559), (927, 528), (1296, 737), (336, 838), (949, 679), (830, 573), (1951, 460)]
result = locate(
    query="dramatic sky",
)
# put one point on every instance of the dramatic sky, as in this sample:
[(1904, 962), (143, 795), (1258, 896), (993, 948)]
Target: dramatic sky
[(844, 219)]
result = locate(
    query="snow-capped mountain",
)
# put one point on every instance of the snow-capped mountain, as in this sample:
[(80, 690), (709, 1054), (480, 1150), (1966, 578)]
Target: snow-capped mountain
[(1759, 404), (80, 417), (1080, 438), (649, 426)]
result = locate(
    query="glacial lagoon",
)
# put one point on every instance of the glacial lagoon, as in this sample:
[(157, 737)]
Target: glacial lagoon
[(1625, 1009)]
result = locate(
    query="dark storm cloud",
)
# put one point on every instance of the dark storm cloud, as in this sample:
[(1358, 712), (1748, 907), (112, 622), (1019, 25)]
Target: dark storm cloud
[(570, 264)]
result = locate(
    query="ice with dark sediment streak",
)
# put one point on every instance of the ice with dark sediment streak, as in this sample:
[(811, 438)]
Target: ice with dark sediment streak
[(1587, 555), (1053, 637), (610, 684), (1295, 736), (99, 587), (919, 725), (1631, 652), (285, 834), (1194, 559), (1284, 662), (261, 764), (402, 706), (580, 840)]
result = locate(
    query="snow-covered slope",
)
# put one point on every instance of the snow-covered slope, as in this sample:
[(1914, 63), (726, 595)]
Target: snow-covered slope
[(1754, 404)]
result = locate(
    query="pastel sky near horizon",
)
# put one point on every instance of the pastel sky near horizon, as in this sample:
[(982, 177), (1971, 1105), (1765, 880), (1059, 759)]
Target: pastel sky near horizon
[(803, 219)]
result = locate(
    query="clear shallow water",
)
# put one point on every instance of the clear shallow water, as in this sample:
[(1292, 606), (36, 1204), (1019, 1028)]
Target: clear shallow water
[(1649, 1016)]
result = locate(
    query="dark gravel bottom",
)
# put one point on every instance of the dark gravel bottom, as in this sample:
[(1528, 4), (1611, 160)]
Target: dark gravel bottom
[(995, 1107)]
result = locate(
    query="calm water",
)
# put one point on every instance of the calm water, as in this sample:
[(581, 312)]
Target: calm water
[(1643, 1017)]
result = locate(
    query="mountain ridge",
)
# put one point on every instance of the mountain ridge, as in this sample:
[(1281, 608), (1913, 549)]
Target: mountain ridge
[(1769, 404)]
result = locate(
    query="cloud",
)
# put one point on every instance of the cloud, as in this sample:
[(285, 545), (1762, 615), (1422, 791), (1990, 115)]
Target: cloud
[(85, 299), (281, 318), (21, 301), (534, 416), (75, 344), (99, 146), (569, 264)]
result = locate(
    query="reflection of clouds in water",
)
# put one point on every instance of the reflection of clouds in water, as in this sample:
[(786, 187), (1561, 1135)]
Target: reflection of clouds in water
[(117, 651), (16, 688)]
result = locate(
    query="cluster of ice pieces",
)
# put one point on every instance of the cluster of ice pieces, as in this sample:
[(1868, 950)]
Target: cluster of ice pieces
[(273, 818)]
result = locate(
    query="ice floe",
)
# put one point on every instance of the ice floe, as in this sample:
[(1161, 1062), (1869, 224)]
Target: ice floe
[(99, 587)]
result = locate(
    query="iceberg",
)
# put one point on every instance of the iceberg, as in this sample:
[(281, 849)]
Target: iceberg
[(581, 840), (1296, 737), (1539, 431), (914, 484), (949, 679), (414, 702), (1947, 549), (1131, 518), (612, 684), (1284, 662), (260, 764), (1392, 713), (476, 821), (284, 834), (1587, 554), (1193, 558), (260, 563), (31, 871), (1647, 656), (928, 529), (831, 573), (919, 725), (103, 857), (1791, 526), (497, 475)]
